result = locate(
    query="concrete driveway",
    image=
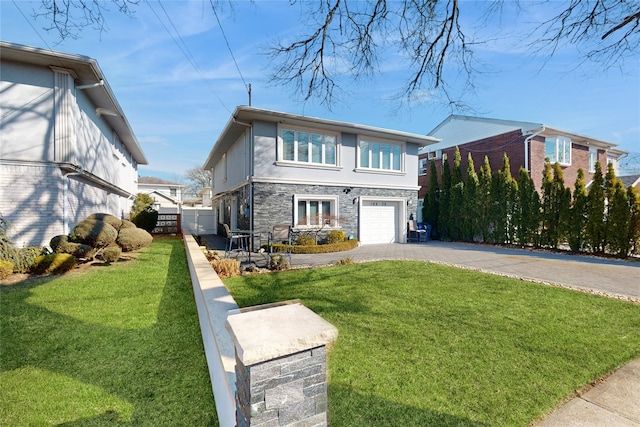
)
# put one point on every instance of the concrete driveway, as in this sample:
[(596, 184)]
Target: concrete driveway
[(608, 276)]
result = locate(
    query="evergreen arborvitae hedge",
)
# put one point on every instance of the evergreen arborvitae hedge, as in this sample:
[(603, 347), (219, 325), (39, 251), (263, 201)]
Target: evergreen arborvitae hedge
[(496, 208)]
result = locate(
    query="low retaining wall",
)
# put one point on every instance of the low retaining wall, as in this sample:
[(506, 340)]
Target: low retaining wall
[(213, 302), (277, 352)]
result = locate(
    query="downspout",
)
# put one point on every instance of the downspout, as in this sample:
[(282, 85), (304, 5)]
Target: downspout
[(65, 200), (526, 147)]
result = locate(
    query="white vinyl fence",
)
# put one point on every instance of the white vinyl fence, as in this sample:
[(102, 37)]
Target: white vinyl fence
[(199, 221)]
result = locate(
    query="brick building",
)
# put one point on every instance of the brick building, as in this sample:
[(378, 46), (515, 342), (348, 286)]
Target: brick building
[(527, 144)]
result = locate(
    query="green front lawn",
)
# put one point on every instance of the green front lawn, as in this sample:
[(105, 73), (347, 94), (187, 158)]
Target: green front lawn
[(115, 345), (422, 344)]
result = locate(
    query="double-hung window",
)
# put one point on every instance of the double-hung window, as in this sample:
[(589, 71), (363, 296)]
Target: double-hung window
[(309, 147), (384, 156), (315, 211), (558, 149)]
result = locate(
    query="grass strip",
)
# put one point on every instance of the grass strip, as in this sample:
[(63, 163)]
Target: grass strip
[(114, 345), (424, 344)]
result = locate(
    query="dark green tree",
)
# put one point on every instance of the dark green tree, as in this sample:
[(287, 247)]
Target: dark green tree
[(143, 215), (504, 192), (528, 210), (595, 230), (578, 215), (457, 192), (445, 201), (470, 202), (560, 208), (619, 215), (546, 227), (634, 219), (484, 199), (609, 192), (431, 199)]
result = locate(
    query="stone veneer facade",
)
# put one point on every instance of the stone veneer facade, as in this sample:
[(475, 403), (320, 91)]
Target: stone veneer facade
[(273, 203), (283, 391)]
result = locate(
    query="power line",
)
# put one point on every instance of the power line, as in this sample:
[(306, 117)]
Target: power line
[(185, 50), (31, 25), (248, 87)]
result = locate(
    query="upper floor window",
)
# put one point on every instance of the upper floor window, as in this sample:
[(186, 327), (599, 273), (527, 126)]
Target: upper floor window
[(432, 155), (558, 149), (173, 192), (309, 147), (593, 158), (380, 155), (422, 166)]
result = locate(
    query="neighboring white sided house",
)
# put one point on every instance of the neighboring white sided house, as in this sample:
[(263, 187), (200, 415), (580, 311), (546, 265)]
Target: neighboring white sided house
[(66, 147), (167, 195), (271, 168)]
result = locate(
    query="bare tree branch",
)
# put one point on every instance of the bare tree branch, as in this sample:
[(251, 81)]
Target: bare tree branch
[(589, 26), (69, 17)]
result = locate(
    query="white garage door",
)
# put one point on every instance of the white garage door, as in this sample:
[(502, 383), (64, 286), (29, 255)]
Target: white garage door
[(379, 221)]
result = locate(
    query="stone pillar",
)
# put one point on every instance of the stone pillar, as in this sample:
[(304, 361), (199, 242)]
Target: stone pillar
[(281, 368)]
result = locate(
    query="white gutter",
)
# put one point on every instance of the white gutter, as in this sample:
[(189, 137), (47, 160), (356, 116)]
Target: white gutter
[(526, 147)]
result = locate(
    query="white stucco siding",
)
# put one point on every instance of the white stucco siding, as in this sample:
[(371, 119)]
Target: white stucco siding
[(27, 110), (267, 167)]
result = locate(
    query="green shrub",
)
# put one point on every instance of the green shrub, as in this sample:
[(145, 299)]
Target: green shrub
[(305, 240), (127, 224), (93, 232), (57, 241), (111, 253), (54, 263), (6, 268), (279, 262), (131, 239), (108, 218), (78, 250), (335, 236), (347, 245), (147, 219), (27, 258)]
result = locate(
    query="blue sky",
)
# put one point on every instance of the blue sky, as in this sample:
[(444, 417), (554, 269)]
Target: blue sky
[(178, 99)]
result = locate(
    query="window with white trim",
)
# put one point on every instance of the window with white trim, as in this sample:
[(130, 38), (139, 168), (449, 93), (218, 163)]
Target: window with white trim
[(422, 166), (384, 156), (308, 147), (593, 159), (558, 149), (432, 155), (315, 211)]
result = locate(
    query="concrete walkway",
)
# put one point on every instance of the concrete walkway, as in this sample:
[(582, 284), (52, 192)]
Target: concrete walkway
[(613, 402)]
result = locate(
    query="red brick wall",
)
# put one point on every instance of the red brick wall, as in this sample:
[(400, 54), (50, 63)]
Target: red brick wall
[(512, 143)]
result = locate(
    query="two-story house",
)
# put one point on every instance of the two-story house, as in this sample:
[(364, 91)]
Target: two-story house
[(167, 195), (527, 144), (66, 148), (270, 168)]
